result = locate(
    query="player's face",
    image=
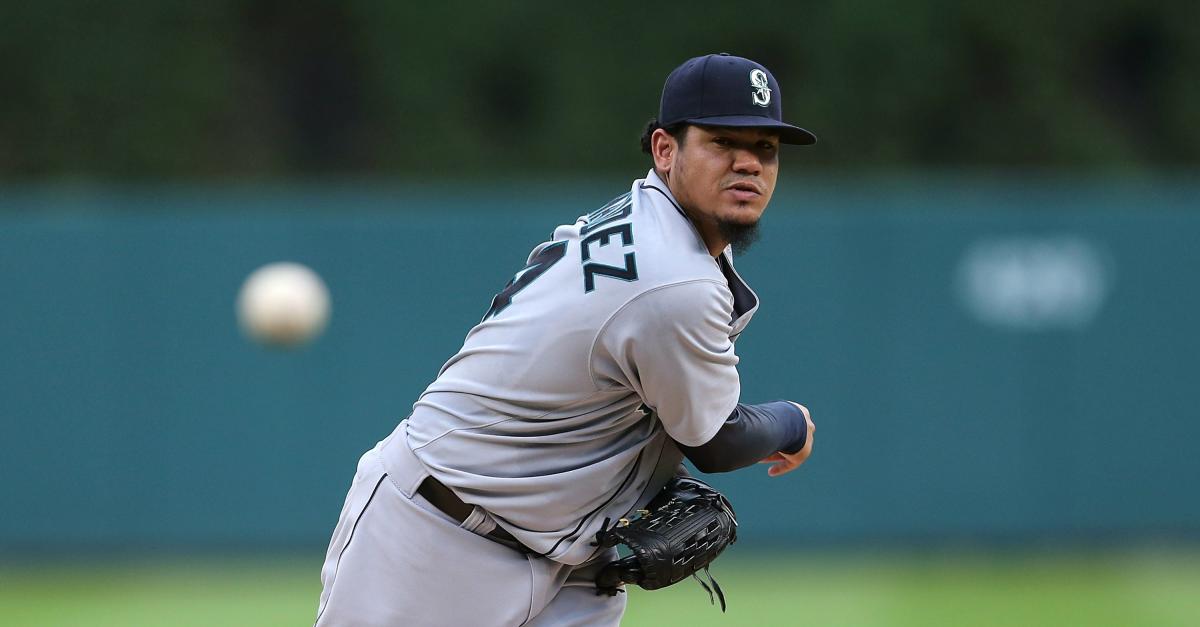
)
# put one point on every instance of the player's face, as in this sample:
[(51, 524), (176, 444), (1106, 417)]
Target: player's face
[(724, 175)]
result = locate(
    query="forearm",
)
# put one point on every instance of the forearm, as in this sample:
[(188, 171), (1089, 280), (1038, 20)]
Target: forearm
[(751, 433)]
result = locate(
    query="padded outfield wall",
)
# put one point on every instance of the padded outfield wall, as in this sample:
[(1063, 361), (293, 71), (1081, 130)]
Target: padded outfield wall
[(986, 359)]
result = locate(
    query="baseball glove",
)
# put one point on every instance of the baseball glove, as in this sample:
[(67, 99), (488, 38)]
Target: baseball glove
[(682, 531)]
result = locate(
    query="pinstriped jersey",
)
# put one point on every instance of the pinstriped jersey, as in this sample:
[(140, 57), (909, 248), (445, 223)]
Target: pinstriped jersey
[(564, 404)]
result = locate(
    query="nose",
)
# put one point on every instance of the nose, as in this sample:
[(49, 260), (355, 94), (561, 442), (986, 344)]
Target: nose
[(746, 162)]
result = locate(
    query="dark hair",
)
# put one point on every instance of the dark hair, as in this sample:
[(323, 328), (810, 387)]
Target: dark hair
[(677, 130)]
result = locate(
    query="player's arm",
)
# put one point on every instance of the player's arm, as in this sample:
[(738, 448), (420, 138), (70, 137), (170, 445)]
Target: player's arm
[(754, 433), (673, 347)]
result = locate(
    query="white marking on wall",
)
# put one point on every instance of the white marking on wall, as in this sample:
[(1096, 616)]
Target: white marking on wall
[(1034, 283)]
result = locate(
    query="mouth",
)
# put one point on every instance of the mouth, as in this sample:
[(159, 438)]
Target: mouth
[(744, 190)]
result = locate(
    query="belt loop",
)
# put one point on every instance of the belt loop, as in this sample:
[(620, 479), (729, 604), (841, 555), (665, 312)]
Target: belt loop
[(405, 471), (479, 521)]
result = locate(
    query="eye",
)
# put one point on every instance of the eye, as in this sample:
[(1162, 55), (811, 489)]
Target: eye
[(767, 146), (723, 141)]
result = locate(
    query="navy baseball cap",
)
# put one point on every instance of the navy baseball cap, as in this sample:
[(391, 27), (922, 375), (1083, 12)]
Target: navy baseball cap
[(724, 90)]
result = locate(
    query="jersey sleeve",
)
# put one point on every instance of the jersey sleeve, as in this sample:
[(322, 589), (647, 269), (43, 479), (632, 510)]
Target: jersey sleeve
[(751, 433), (671, 345)]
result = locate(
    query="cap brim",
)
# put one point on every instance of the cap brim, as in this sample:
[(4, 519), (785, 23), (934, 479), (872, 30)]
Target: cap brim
[(788, 134)]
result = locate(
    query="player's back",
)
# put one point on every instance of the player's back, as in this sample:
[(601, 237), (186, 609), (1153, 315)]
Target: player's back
[(527, 420)]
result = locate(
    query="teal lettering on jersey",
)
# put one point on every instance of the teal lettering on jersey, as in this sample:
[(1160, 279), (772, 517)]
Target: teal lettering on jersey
[(616, 209), (541, 262), (601, 238)]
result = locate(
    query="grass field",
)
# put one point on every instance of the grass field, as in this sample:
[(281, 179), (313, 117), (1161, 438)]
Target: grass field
[(978, 589)]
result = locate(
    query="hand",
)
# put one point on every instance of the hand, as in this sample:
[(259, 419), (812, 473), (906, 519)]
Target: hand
[(786, 462)]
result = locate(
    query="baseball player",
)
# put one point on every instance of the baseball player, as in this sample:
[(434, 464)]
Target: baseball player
[(596, 370)]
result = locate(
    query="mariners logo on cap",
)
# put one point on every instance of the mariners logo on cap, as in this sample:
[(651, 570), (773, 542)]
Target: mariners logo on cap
[(762, 92)]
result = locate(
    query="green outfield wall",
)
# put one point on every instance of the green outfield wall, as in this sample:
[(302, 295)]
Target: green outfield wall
[(986, 359)]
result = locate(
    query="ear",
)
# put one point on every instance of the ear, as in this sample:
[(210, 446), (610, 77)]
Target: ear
[(663, 148)]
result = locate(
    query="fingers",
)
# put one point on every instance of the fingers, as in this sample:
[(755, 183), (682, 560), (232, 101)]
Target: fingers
[(782, 463), (782, 468)]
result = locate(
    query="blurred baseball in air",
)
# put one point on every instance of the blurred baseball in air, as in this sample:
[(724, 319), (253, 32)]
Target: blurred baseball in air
[(283, 304)]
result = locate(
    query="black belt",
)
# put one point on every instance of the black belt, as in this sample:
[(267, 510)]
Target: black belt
[(448, 502)]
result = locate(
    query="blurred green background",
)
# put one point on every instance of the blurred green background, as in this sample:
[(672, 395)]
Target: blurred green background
[(263, 89), (978, 280)]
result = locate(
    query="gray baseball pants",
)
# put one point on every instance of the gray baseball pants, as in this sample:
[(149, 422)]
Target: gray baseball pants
[(397, 560)]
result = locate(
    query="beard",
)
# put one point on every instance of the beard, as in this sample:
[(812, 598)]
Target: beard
[(741, 236)]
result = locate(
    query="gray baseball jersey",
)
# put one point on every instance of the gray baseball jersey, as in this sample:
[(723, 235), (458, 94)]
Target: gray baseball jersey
[(562, 407)]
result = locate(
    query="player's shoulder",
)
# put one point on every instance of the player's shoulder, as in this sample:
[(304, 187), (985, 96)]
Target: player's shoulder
[(668, 238), (638, 242)]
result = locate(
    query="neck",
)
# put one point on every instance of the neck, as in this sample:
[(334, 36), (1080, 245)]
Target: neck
[(713, 240)]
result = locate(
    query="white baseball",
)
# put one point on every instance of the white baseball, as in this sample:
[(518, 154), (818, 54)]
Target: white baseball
[(283, 304)]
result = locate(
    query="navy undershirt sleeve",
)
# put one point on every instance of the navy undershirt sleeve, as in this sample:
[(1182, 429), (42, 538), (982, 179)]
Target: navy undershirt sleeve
[(751, 433)]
